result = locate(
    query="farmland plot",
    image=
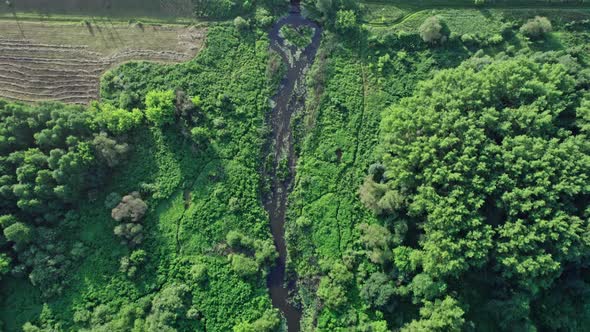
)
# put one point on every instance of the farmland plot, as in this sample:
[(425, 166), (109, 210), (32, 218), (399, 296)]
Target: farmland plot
[(64, 62)]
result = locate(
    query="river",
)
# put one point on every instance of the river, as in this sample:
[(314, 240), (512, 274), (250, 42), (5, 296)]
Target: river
[(289, 98)]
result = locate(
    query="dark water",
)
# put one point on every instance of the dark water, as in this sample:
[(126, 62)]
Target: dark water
[(287, 100)]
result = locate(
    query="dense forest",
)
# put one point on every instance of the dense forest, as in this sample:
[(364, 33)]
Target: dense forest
[(440, 179)]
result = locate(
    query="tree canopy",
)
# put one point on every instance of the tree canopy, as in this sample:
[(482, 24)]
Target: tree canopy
[(492, 165)]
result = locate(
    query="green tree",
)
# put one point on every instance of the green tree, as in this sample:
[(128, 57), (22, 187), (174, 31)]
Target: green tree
[(536, 28), (438, 316), (345, 20), (243, 265), (160, 107), (18, 233), (376, 239), (117, 120), (434, 30), (269, 322), (494, 179), (131, 208), (109, 150), (378, 290), (4, 265), (241, 24)]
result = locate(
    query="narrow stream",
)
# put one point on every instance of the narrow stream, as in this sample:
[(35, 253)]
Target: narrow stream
[(290, 97)]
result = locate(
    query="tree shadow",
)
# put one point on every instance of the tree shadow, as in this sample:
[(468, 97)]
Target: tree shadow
[(550, 43), (89, 27), (20, 28)]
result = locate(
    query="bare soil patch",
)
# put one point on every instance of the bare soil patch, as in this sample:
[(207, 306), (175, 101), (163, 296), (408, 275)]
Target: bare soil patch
[(64, 61)]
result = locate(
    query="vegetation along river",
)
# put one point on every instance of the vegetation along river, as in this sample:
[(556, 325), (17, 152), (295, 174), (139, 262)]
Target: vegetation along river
[(289, 98)]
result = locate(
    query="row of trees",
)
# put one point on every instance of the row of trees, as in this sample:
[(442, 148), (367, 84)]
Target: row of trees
[(232, 8), (435, 31)]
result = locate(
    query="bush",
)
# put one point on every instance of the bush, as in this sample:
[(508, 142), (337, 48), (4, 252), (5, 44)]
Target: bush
[(536, 28), (495, 40), (117, 120), (241, 24), (345, 20), (109, 150), (469, 39), (160, 107), (434, 31), (243, 266), (18, 233), (112, 200), (130, 208)]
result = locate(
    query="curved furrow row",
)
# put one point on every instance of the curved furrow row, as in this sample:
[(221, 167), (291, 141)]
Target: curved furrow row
[(28, 79), (81, 99), (49, 85), (30, 52), (51, 61), (51, 95), (51, 71)]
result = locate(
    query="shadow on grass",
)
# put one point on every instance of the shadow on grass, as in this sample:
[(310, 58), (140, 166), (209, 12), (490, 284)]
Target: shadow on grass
[(552, 42)]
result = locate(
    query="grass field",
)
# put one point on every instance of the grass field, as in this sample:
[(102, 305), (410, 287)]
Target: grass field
[(387, 17), (43, 60)]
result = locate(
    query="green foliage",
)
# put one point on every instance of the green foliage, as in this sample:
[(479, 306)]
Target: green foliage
[(186, 186), (18, 233), (440, 315), (376, 239), (345, 20), (332, 288), (198, 272), (488, 186), (332, 11), (160, 107), (51, 158), (117, 120), (300, 37), (243, 266), (434, 31), (108, 149), (477, 205), (536, 28), (378, 290), (241, 24), (269, 322), (4, 265), (220, 8)]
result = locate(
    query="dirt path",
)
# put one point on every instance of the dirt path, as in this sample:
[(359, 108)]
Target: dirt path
[(290, 97)]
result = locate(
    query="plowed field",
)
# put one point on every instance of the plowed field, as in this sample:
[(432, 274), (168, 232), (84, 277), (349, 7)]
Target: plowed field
[(64, 61)]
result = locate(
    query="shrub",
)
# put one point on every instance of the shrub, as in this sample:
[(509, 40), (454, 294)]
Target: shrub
[(18, 233), (131, 233), (495, 39), (469, 39), (434, 31), (345, 20), (117, 120), (160, 107), (109, 150), (112, 200), (536, 28), (198, 272), (243, 266), (241, 24), (130, 208)]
